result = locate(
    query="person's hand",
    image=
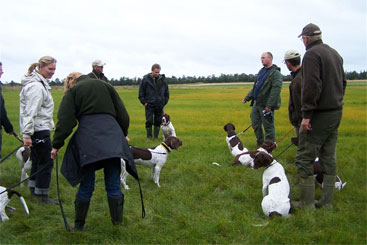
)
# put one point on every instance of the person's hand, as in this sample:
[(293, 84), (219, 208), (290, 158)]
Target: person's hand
[(306, 124), (267, 109), (127, 139), (145, 105), (244, 101), (27, 142), (54, 153)]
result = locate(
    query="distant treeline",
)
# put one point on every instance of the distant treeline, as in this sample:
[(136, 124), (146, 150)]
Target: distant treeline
[(223, 78)]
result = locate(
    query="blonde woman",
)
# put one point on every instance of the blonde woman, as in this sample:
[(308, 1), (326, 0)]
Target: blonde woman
[(70, 80), (36, 111)]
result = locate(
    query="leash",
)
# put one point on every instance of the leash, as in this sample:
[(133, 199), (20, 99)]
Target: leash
[(7, 156), (281, 139), (283, 151), (244, 130), (162, 153), (67, 226)]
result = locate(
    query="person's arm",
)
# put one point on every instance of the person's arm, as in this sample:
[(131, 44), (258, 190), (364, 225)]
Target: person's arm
[(141, 95), (276, 87), (5, 122)]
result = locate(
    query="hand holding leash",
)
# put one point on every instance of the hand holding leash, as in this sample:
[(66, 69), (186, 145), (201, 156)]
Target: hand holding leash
[(54, 153)]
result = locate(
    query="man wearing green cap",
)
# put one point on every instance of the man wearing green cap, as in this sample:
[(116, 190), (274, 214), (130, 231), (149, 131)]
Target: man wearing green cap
[(323, 87)]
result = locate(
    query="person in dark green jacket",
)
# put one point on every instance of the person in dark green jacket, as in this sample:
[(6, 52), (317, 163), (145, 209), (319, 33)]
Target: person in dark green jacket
[(100, 141), (265, 98), (323, 88)]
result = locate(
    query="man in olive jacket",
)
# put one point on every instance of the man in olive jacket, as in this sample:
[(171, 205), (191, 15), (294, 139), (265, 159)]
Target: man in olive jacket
[(265, 97), (153, 95), (323, 88)]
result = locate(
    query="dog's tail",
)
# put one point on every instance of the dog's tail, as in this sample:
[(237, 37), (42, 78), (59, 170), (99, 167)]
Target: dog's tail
[(12, 192)]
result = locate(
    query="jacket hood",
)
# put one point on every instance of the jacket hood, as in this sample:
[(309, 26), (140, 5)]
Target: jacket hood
[(33, 77), (276, 67)]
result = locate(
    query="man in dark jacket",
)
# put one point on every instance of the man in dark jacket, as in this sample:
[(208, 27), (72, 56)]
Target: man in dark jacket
[(99, 142), (97, 71), (153, 95), (323, 88), (292, 59), (4, 120), (265, 97)]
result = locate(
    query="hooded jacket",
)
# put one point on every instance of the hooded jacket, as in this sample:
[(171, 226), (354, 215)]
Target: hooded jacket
[(36, 105), (152, 94), (269, 94)]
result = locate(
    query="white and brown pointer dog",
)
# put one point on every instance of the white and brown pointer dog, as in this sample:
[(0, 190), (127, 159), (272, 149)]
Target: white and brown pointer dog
[(154, 158), (5, 199), (275, 186), (167, 127), (235, 145), (24, 157)]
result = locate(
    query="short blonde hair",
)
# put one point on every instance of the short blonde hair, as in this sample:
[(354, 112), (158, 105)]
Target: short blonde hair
[(43, 61), (70, 80)]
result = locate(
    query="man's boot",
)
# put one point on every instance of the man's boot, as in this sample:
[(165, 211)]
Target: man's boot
[(149, 133), (81, 211), (31, 190), (328, 186), (116, 205), (44, 199), (307, 191), (156, 131)]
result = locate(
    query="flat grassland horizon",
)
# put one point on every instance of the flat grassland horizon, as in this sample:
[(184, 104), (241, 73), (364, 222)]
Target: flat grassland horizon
[(200, 202)]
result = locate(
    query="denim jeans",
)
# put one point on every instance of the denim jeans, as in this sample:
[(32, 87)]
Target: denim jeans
[(111, 168)]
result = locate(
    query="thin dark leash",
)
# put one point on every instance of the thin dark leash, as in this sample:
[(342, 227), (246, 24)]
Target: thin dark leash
[(283, 150), (244, 130), (7, 156), (67, 226), (281, 139), (15, 185)]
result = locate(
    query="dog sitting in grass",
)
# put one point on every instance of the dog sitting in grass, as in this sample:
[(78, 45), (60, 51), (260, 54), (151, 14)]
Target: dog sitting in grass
[(234, 143), (167, 127), (5, 197), (24, 158), (275, 186)]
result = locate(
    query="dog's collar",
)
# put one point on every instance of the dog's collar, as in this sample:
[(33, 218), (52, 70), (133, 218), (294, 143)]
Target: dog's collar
[(166, 147)]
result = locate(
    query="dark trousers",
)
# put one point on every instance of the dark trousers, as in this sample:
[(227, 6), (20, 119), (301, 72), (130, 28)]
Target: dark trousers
[(111, 168), (259, 121), (153, 115), (320, 141), (41, 152)]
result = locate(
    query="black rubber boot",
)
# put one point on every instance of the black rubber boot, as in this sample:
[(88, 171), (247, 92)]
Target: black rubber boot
[(44, 199), (149, 133), (156, 131), (81, 211), (116, 205)]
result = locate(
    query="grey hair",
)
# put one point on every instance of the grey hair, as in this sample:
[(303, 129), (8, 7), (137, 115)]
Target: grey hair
[(314, 38)]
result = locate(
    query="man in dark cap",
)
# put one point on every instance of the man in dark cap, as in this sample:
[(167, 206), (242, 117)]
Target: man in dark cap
[(323, 88)]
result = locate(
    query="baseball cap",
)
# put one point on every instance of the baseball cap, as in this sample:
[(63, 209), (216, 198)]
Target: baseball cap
[(98, 63), (310, 30), (291, 54)]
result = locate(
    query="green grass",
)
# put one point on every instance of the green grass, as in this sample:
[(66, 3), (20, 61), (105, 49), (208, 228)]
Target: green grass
[(199, 202)]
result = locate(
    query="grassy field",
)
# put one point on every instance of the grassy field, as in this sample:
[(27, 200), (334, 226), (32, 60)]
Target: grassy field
[(199, 202)]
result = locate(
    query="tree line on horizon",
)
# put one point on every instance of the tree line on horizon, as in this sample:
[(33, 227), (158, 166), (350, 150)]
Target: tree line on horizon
[(223, 78)]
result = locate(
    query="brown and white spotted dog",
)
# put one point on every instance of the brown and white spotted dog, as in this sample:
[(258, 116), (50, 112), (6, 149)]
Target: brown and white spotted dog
[(235, 145), (24, 158), (5, 197), (154, 158), (275, 186), (319, 177), (167, 127)]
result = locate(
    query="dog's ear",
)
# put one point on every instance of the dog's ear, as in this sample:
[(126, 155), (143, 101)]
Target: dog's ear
[(262, 160)]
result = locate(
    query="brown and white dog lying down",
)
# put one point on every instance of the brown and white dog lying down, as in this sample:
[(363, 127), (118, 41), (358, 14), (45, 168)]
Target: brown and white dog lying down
[(275, 186), (5, 199), (319, 177), (24, 157), (154, 158), (167, 126), (247, 158), (234, 143)]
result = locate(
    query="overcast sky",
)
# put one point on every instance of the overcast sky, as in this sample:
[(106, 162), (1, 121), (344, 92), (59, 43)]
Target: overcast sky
[(187, 37)]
